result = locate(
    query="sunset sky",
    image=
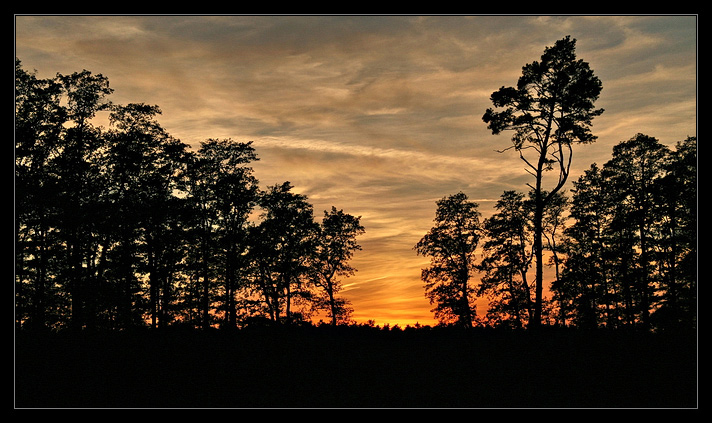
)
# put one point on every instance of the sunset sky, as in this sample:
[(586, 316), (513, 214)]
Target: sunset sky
[(380, 116)]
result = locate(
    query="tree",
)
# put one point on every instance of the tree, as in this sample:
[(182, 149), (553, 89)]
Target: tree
[(506, 260), (336, 243), (236, 195), (282, 244), (78, 169), (39, 120), (585, 291), (143, 166), (551, 109), (451, 246), (631, 246), (222, 192), (678, 247), (634, 174)]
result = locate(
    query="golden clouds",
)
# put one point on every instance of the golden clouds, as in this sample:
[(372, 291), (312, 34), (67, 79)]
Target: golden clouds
[(376, 115)]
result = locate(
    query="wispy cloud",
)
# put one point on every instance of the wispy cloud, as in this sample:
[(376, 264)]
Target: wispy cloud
[(378, 115)]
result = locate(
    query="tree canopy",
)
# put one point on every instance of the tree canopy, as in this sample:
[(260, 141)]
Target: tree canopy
[(550, 109), (451, 244), (129, 227)]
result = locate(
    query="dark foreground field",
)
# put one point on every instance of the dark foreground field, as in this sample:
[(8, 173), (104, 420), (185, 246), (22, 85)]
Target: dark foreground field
[(356, 367)]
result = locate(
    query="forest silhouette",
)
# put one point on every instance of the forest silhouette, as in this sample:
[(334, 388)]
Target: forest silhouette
[(150, 274)]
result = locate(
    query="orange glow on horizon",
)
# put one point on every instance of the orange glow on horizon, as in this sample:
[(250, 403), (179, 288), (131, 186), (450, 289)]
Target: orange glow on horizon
[(377, 117)]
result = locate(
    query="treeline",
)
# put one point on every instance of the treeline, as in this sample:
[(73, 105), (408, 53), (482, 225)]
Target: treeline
[(622, 247), (128, 227)]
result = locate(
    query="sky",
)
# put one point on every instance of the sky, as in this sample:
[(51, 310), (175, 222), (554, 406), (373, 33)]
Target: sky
[(380, 116)]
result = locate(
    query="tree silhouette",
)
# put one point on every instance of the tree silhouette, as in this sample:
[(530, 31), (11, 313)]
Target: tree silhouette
[(143, 165), (283, 242), (633, 172), (336, 243), (451, 246), (235, 193), (551, 109), (506, 260), (128, 227), (677, 250), (78, 168), (630, 244), (39, 119), (585, 290), (222, 192)]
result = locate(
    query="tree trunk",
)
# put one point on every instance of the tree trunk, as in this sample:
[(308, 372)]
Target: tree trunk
[(206, 288), (332, 300), (538, 256)]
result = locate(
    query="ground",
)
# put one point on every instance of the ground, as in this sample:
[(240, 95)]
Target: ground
[(356, 368)]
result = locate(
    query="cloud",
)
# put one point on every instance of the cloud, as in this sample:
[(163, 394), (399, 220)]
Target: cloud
[(377, 115)]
